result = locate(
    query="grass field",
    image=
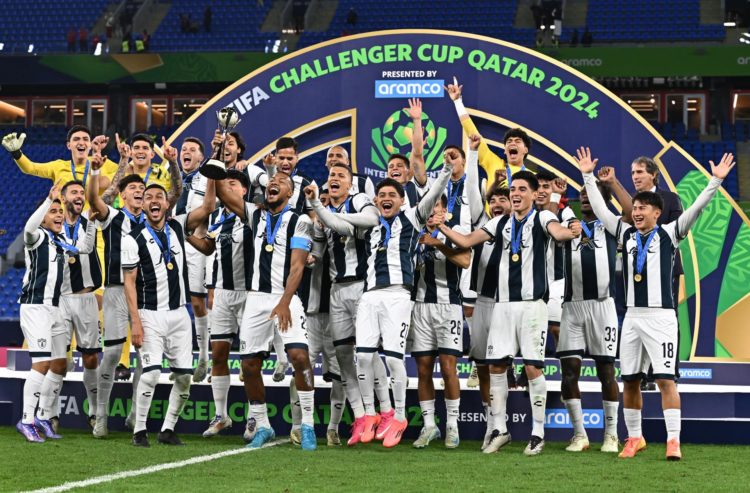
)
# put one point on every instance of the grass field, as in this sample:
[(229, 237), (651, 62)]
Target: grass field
[(365, 468)]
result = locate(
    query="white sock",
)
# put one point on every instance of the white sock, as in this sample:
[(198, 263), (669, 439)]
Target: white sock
[(538, 397), (145, 393), (633, 422), (90, 383), (672, 419), (278, 348), (295, 404), (137, 372), (610, 417), (498, 400), (47, 395), (201, 336), (488, 416), (398, 375), (307, 403), (106, 377), (451, 408), (576, 415), (345, 357), (428, 412), (259, 412), (338, 401), (380, 381), (31, 390), (220, 390), (177, 399), (366, 381)]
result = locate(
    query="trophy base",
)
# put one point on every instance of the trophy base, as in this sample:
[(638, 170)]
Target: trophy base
[(213, 169)]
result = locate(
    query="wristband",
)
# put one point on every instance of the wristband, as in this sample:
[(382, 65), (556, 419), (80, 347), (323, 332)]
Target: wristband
[(555, 197), (16, 154), (95, 172), (460, 108)]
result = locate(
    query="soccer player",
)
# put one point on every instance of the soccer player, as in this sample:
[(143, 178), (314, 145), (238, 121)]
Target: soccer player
[(348, 270), (142, 153), (589, 322), (649, 331), (285, 160), (401, 167), (234, 151), (46, 253), (81, 278), (282, 242), (155, 278), (437, 323), (360, 184), (193, 191), (519, 319)]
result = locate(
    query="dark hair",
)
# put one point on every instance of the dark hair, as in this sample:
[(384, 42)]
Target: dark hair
[(70, 184), (390, 182), (127, 180), (605, 191), (517, 132), (398, 156), (444, 200), (498, 190), (347, 168), (286, 143), (195, 140), (156, 185), (240, 143), (57, 200), (649, 198), (142, 137), (233, 174), (460, 151), (528, 177), (289, 177), (77, 128), (545, 175), (651, 167)]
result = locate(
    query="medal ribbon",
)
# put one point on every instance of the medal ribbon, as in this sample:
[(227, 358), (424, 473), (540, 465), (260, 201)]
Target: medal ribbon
[(85, 172), (387, 226), (167, 254), (65, 246), (271, 234), (453, 195), (141, 218), (516, 233), (225, 218), (589, 232), (642, 249), (73, 230)]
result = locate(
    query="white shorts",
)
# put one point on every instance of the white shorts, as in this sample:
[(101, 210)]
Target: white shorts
[(343, 311), (44, 332), (436, 328), (257, 331), (167, 334), (226, 314), (116, 318), (196, 264), (518, 325), (321, 343), (480, 328), (208, 280), (80, 313), (554, 305), (649, 336), (384, 313), (589, 327)]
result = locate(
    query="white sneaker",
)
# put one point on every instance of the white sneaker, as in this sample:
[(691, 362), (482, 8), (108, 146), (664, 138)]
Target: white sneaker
[(473, 381), (535, 446), (496, 442), (216, 425), (487, 438), (451, 437), (100, 427), (333, 438), (250, 428), (295, 436), (578, 443), (280, 372), (428, 434), (200, 371), (130, 421), (611, 444)]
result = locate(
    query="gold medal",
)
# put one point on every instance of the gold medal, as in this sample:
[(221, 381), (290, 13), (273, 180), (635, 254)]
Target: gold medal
[(449, 216), (381, 249), (637, 278), (170, 265), (269, 248), (515, 257), (213, 234), (71, 260)]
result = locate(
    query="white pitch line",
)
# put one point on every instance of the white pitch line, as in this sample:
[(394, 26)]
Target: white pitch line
[(148, 470)]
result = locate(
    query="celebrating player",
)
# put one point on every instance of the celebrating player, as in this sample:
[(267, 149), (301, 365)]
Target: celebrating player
[(360, 184), (400, 166), (649, 331)]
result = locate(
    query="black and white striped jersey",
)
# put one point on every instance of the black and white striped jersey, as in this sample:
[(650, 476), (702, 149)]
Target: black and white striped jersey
[(590, 264), (45, 264), (437, 278), (391, 250), (522, 275), (280, 233), (555, 261), (84, 271), (485, 263), (159, 255), (118, 224), (233, 259), (193, 190), (315, 289)]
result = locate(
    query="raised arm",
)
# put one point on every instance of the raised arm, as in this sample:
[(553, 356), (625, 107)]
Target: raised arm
[(113, 190), (13, 143), (199, 215), (691, 214), (175, 176), (31, 229), (416, 158), (587, 166), (87, 243), (607, 176), (476, 202), (96, 203), (425, 206)]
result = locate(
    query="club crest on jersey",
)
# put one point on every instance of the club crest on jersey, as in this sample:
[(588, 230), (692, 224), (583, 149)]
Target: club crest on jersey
[(225, 239), (146, 359), (42, 343), (490, 349), (586, 243)]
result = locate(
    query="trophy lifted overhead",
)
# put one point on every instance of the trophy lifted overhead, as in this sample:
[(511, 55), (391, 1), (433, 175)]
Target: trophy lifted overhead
[(214, 167)]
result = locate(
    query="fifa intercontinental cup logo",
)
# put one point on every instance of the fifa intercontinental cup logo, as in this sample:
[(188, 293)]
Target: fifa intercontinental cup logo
[(395, 138)]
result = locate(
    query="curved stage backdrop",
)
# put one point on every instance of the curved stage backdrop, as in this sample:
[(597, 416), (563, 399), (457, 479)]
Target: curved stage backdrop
[(351, 91)]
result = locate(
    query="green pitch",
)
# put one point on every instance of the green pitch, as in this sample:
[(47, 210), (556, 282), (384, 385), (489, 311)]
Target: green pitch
[(364, 468)]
